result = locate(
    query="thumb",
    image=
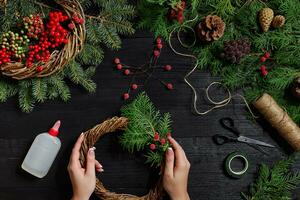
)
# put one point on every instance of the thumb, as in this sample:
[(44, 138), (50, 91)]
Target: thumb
[(90, 162), (169, 167)]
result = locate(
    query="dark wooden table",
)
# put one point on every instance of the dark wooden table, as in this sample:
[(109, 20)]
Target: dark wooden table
[(124, 172)]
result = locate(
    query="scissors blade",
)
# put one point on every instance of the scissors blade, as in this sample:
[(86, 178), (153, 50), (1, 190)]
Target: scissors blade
[(253, 141)]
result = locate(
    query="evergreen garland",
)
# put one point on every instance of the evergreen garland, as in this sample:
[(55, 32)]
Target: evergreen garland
[(274, 183), (147, 127), (109, 19), (241, 21)]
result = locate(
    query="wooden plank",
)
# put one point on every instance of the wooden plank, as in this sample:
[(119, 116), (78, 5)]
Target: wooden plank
[(123, 172)]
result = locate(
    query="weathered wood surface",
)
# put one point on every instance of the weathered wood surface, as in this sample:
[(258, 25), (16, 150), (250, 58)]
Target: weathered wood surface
[(123, 172)]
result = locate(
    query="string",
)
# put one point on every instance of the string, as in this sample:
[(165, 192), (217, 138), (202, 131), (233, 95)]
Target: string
[(217, 104)]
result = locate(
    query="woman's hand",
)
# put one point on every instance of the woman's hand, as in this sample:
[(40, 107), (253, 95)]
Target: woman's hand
[(83, 179), (176, 172)]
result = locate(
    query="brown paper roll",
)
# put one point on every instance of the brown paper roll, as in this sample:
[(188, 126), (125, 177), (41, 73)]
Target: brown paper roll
[(279, 119)]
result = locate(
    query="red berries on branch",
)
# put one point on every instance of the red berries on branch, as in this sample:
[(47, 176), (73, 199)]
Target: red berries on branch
[(177, 12), (52, 37), (40, 37), (159, 141), (147, 69), (263, 69)]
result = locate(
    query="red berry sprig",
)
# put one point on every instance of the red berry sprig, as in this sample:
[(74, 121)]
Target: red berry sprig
[(52, 37), (4, 56), (263, 69), (146, 69), (177, 12), (159, 141)]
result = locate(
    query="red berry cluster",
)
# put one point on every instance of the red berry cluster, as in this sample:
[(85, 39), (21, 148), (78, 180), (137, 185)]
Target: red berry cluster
[(4, 56), (177, 12), (145, 69), (53, 36), (34, 26), (158, 141), (263, 69)]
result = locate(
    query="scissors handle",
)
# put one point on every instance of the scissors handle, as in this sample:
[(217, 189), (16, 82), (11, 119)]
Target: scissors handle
[(222, 139), (228, 123)]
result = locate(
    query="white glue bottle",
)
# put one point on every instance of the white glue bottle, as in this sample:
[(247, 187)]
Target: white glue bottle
[(42, 152)]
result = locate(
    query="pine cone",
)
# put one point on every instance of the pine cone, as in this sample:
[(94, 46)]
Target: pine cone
[(266, 16), (3, 3), (278, 21), (211, 28), (296, 88), (235, 50)]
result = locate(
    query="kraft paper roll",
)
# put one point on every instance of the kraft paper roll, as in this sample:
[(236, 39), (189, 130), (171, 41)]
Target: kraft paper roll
[(279, 119)]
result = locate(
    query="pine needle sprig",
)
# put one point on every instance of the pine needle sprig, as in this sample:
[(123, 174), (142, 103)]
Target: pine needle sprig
[(274, 183), (144, 122)]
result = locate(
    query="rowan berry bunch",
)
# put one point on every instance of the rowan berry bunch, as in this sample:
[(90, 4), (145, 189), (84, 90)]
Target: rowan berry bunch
[(34, 26), (263, 69), (53, 36), (14, 45), (176, 13), (37, 39), (147, 69), (159, 143)]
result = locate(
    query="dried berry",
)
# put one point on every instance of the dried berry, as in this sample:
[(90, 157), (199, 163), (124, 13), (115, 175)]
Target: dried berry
[(119, 66), (163, 141), (170, 86), (125, 96), (152, 146), (168, 67), (134, 86), (116, 60), (127, 72)]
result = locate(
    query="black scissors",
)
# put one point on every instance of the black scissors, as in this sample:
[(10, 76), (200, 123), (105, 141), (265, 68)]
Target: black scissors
[(228, 124)]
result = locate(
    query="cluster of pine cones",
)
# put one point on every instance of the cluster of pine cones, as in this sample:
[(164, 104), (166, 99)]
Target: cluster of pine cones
[(235, 50)]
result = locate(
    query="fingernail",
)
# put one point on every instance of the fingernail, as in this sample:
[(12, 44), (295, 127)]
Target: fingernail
[(101, 170), (169, 150), (81, 134), (92, 151)]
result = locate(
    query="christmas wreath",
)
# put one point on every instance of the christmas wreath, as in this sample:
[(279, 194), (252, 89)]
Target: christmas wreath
[(45, 42), (144, 129), (250, 44)]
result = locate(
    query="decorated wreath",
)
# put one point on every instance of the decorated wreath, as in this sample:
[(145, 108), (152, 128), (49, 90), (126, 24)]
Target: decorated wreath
[(250, 44), (145, 129), (45, 42)]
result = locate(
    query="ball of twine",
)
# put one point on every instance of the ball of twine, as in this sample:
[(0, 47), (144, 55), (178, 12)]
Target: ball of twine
[(279, 119), (90, 138), (58, 59)]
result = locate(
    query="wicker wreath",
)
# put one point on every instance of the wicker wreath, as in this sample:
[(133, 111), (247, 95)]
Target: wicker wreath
[(58, 59), (90, 138)]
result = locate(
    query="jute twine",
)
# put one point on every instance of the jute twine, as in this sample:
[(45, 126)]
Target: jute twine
[(90, 138), (216, 104), (58, 59), (279, 119)]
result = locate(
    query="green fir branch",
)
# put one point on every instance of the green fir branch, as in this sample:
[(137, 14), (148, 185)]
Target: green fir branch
[(144, 122), (274, 183)]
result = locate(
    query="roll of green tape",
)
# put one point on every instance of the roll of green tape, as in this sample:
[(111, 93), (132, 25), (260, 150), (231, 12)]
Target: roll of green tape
[(230, 158)]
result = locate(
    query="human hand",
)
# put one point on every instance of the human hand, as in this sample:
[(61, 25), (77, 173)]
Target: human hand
[(83, 179), (176, 172)]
